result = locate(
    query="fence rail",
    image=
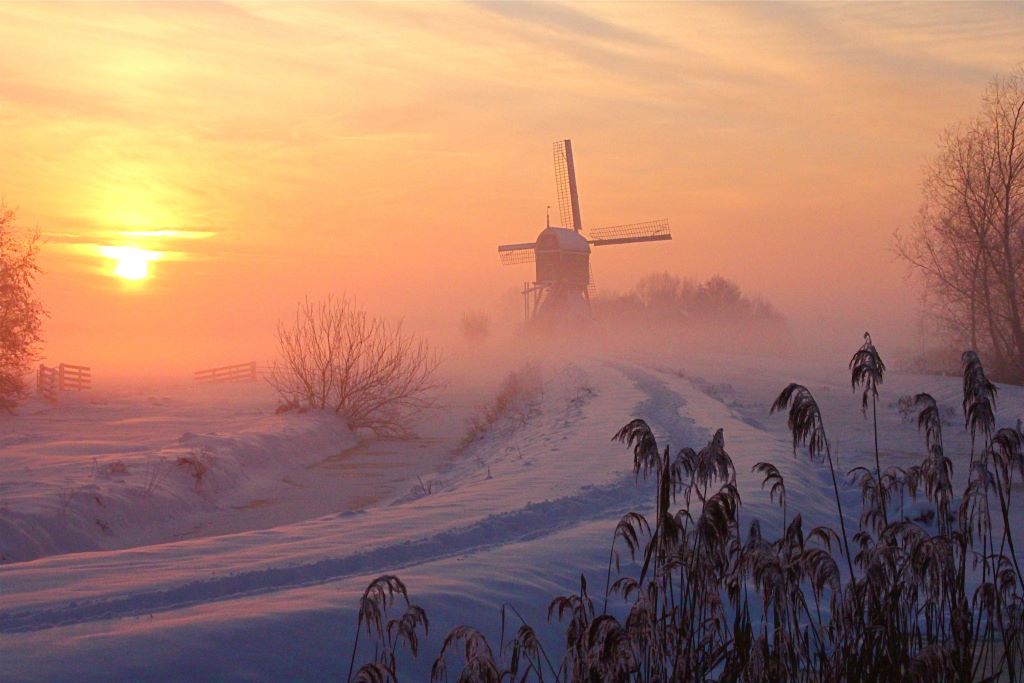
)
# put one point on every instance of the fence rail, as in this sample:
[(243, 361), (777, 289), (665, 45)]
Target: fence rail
[(243, 372), (74, 377)]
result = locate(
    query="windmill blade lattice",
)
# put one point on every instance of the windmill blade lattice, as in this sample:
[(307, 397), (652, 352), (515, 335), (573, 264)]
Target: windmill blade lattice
[(511, 254), (648, 231), (565, 185)]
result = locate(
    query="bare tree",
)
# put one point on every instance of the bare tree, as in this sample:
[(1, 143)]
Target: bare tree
[(663, 291), (968, 241), (333, 356), (21, 313)]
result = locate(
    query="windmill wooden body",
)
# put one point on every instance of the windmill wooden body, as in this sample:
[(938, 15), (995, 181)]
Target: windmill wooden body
[(563, 278)]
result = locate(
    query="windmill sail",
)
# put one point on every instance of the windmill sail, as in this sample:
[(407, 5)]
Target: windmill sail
[(565, 183), (512, 254), (648, 231)]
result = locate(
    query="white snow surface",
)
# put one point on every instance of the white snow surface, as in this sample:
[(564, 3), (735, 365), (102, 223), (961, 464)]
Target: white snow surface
[(131, 572)]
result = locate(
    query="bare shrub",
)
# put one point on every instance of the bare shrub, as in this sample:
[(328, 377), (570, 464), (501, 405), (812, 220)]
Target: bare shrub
[(335, 357), (426, 487), (517, 400), (155, 473), (197, 464)]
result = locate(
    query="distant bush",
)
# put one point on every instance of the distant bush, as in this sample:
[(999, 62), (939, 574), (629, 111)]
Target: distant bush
[(475, 326), (668, 297)]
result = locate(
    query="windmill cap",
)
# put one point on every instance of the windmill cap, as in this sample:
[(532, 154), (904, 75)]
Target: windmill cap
[(562, 239)]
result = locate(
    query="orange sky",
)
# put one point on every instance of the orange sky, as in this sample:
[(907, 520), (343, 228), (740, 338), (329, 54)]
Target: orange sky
[(271, 151)]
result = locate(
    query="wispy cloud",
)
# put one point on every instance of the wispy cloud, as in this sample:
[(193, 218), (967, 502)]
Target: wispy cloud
[(563, 22)]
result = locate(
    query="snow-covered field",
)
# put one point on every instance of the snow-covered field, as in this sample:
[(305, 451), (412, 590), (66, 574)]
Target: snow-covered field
[(119, 565)]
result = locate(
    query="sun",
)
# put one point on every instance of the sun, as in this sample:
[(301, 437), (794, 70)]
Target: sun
[(130, 263), (132, 266)]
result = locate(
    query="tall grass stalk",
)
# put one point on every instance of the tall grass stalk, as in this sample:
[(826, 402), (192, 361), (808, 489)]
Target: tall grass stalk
[(867, 372), (808, 430)]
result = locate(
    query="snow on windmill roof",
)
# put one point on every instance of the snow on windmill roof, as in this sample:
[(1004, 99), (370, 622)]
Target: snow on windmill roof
[(562, 239)]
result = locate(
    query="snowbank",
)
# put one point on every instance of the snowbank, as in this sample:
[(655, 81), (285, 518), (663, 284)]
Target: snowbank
[(112, 472)]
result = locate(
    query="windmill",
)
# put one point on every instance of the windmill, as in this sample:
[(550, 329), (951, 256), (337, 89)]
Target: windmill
[(563, 280)]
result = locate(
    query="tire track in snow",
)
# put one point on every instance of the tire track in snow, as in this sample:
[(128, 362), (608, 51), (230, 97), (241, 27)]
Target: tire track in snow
[(661, 408), (533, 521)]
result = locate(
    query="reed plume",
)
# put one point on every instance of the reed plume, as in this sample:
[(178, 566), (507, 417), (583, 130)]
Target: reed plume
[(805, 424), (867, 372)]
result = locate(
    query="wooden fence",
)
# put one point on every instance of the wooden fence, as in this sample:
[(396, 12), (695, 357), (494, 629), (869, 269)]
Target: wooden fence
[(51, 381), (48, 383), (74, 377), (243, 372)]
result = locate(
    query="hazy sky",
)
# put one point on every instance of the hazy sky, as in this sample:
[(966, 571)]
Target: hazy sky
[(273, 151)]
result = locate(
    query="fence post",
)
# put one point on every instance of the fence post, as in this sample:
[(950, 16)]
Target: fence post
[(47, 383)]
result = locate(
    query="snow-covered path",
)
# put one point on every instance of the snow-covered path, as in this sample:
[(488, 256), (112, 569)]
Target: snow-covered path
[(514, 519)]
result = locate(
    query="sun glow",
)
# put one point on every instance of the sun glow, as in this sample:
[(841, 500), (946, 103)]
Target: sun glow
[(130, 263)]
